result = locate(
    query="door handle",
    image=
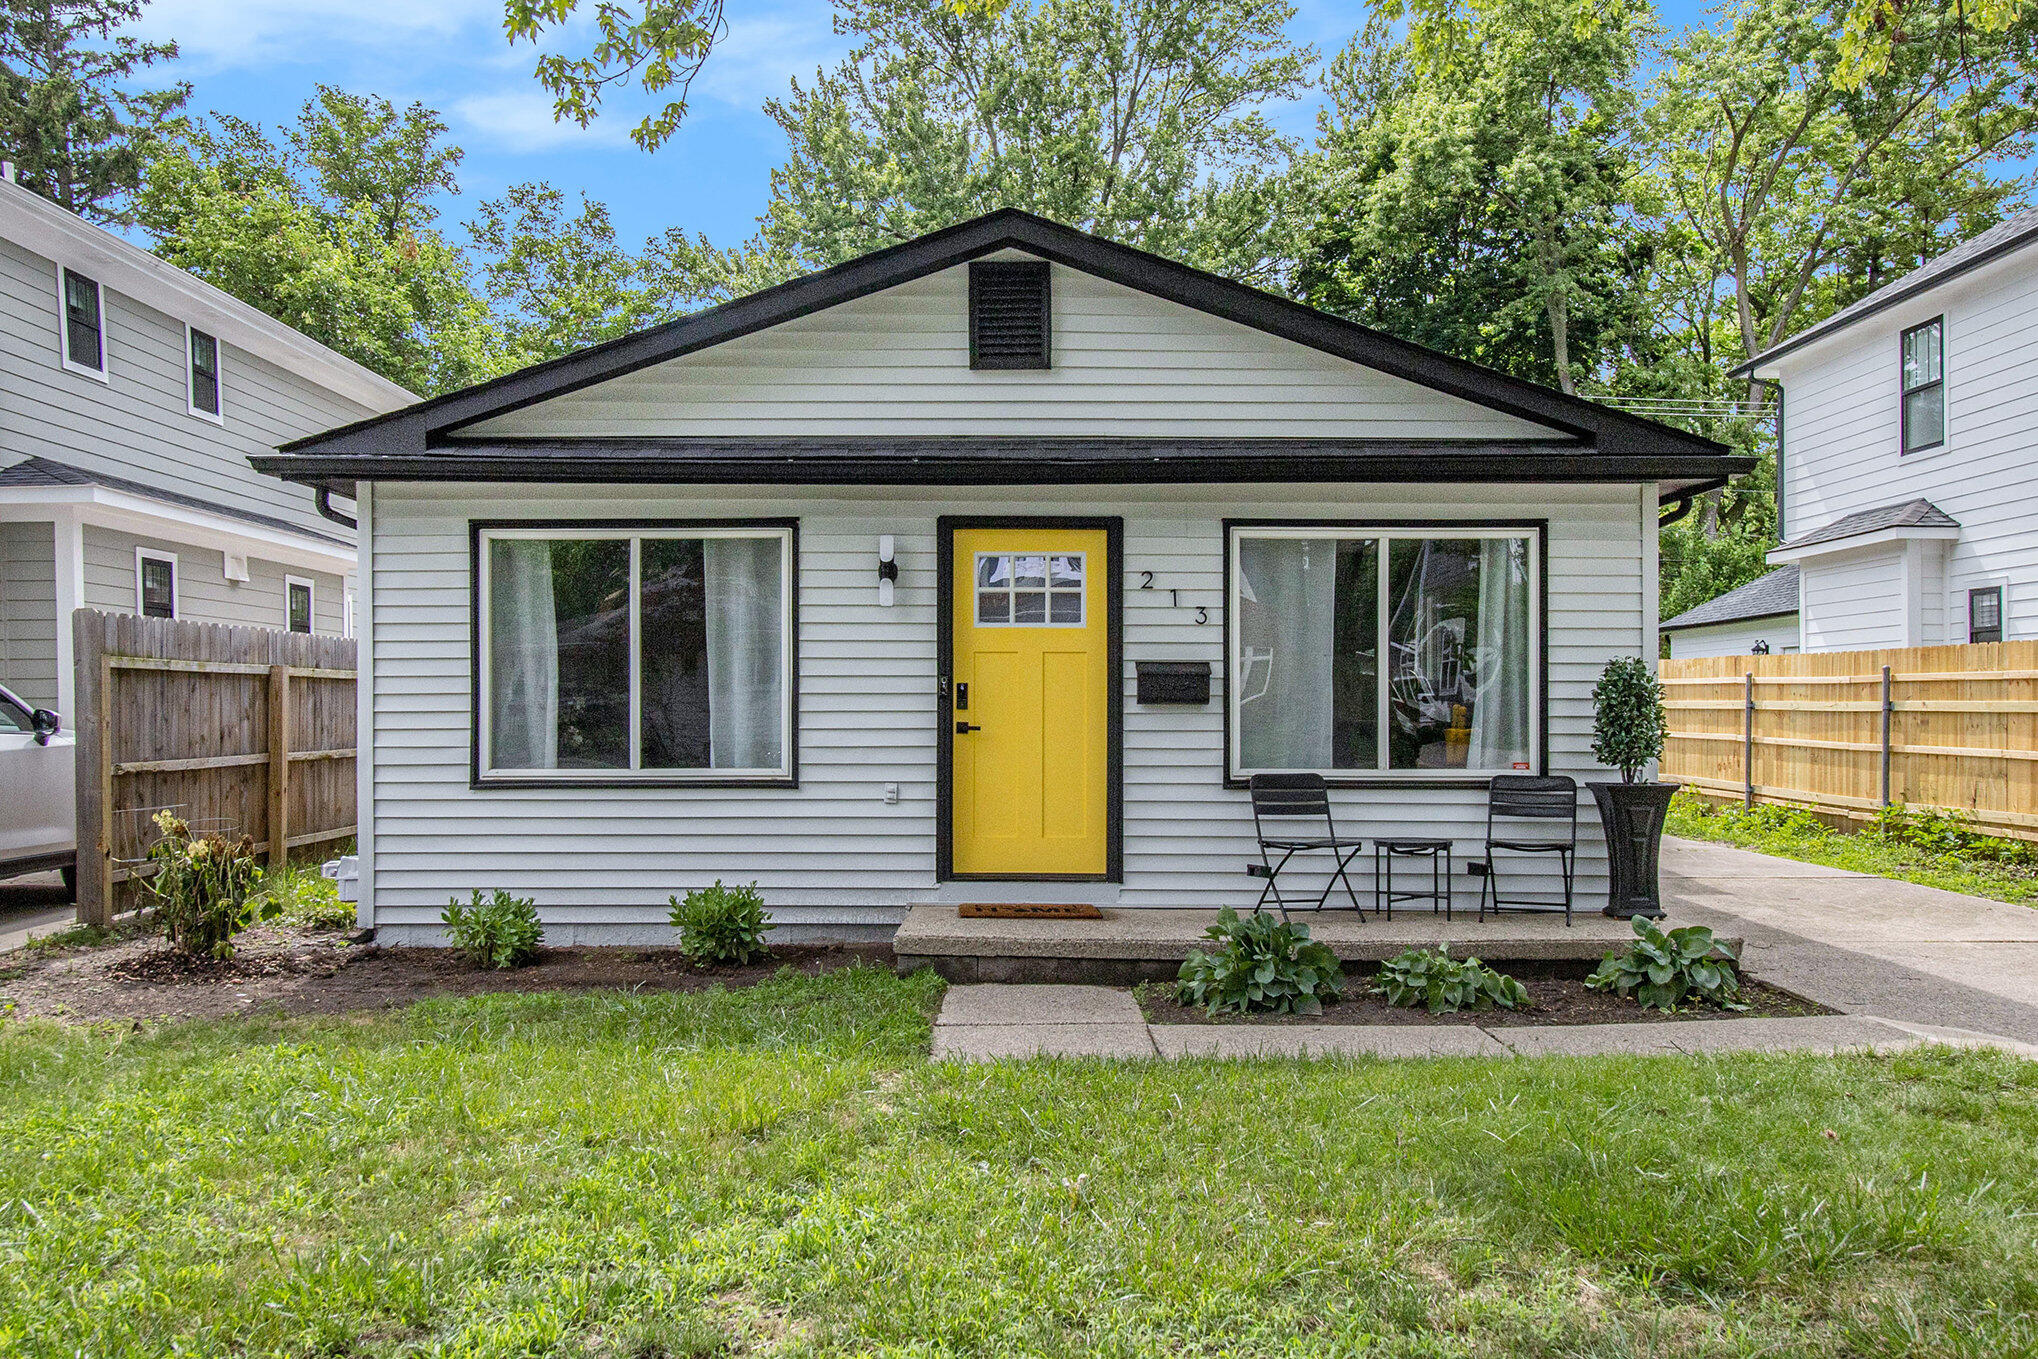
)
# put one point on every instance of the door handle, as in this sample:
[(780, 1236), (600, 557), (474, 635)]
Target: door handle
[(965, 728)]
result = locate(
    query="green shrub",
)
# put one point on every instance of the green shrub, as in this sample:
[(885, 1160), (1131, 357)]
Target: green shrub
[(1628, 728), (305, 898), (722, 924), (201, 885), (500, 932), (1265, 964), (1946, 831), (1662, 971), (1432, 977)]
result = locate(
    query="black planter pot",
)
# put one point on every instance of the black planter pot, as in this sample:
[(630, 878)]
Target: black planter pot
[(1633, 815)]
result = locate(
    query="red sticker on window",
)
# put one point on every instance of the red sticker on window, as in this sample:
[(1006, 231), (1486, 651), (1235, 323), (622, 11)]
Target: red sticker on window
[(1521, 764)]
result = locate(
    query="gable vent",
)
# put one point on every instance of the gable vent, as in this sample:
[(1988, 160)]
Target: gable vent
[(1008, 314)]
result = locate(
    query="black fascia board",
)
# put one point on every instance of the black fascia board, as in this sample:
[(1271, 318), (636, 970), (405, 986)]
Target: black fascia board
[(430, 423)]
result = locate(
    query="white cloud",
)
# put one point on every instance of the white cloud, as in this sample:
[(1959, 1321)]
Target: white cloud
[(521, 120), (761, 53), (229, 33)]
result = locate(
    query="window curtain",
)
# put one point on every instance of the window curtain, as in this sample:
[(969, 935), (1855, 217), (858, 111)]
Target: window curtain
[(746, 661), (523, 635), (1500, 703), (1287, 598)]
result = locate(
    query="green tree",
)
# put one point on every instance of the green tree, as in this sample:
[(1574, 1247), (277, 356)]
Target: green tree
[(329, 229), (558, 280), (1470, 188), (77, 131), (661, 46), (1137, 119), (1791, 190)]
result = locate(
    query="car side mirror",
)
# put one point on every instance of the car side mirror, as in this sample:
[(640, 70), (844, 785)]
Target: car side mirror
[(47, 724)]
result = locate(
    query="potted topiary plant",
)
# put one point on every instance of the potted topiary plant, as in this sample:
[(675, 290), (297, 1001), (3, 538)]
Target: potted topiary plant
[(1627, 733)]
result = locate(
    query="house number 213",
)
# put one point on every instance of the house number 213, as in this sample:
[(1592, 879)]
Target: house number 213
[(1174, 596)]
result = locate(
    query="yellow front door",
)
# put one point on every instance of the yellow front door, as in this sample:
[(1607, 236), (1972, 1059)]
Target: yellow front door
[(1030, 702)]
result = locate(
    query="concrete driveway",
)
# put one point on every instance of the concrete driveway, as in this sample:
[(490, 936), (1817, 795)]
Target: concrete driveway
[(1863, 944), (33, 906)]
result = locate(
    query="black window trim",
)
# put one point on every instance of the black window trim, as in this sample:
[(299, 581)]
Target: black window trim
[(1976, 593), (64, 348), (478, 778), (1540, 528), (217, 415), (1904, 393)]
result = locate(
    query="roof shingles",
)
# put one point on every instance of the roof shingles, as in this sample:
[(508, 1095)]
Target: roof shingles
[(1765, 597)]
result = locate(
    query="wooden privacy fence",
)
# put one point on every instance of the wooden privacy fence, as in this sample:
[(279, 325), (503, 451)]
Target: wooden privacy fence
[(1846, 733), (248, 731)]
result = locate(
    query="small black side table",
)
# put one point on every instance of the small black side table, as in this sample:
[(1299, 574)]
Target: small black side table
[(1385, 852)]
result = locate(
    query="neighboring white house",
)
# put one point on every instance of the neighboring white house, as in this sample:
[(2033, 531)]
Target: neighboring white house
[(1908, 484), (131, 395), (1758, 619), (983, 568)]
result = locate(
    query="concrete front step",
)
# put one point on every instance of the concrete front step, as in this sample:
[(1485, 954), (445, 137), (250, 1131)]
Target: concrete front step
[(1131, 945)]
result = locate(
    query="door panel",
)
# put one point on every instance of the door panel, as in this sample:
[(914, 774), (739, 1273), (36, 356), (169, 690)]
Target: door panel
[(1030, 782)]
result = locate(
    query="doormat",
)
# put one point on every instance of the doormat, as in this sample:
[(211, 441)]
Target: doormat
[(1044, 910)]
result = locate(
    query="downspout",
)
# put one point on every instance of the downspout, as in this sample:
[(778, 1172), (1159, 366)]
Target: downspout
[(1780, 535), (323, 499), (1676, 512)]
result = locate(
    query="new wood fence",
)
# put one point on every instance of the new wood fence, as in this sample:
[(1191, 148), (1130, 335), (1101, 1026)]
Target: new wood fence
[(1845, 733), (248, 731)]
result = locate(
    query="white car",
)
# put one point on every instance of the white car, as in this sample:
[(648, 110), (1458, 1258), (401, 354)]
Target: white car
[(38, 798)]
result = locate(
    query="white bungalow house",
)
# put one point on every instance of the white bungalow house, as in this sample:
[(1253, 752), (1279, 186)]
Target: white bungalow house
[(1759, 618), (986, 567), (131, 395), (1908, 482)]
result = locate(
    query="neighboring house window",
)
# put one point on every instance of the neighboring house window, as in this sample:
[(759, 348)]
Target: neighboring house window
[(155, 583), (653, 653), (204, 354), (297, 604), (1985, 614), (84, 328), (1924, 378), (1455, 611)]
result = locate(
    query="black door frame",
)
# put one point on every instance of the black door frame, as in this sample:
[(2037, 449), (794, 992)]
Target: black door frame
[(1114, 665)]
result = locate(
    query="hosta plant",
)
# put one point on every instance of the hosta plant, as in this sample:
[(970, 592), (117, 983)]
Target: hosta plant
[(1446, 985), (1264, 964), (498, 931), (1665, 970), (201, 886), (722, 924)]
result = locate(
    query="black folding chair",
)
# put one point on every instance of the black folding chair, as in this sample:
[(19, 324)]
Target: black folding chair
[(1527, 797), (1297, 796)]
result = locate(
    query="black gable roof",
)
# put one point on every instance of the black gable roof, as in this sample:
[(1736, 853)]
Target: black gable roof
[(406, 445)]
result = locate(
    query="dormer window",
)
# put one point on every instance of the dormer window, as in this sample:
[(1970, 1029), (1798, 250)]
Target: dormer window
[(1009, 309), (1924, 386)]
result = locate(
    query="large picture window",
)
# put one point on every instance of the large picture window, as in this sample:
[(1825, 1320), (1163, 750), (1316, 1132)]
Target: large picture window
[(1454, 611), (627, 654)]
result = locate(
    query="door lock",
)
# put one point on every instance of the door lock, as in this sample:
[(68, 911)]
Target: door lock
[(965, 728)]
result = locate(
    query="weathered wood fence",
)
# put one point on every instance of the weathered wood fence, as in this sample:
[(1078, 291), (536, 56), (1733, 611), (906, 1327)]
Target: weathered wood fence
[(248, 731), (1845, 733)]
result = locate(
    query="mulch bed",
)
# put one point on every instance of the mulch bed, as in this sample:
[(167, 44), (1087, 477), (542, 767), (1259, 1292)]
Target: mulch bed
[(1555, 999), (279, 969)]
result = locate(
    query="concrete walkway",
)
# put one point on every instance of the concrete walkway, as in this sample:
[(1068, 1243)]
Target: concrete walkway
[(1863, 944), (33, 906), (990, 1021)]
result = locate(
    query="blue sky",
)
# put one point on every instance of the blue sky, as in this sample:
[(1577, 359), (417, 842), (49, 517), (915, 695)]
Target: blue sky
[(260, 59)]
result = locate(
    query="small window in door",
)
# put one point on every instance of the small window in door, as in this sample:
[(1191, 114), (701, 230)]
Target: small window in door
[(299, 600), (1030, 589), (157, 583), (1985, 614), (84, 330), (204, 375)]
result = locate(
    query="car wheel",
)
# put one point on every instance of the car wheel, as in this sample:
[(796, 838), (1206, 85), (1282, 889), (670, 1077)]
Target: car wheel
[(71, 881)]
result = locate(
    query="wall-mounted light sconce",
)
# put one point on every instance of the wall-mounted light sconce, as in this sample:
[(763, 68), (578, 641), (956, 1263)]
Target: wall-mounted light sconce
[(887, 570)]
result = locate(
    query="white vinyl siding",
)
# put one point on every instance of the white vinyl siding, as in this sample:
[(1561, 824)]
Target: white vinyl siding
[(1735, 639), (1853, 602), (832, 851), (204, 594), (1843, 449), (1125, 363), (28, 612), (137, 424)]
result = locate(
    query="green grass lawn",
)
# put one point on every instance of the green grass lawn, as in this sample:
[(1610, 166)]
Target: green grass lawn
[(780, 1171), (1792, 834)]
